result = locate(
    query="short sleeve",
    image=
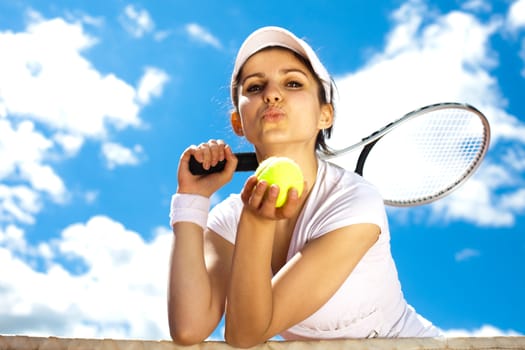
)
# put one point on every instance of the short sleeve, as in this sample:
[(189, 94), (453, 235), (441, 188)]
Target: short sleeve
[(362, 204), (224, 217), (355, 202)]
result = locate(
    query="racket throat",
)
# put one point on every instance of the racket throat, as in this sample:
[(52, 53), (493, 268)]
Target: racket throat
[(362, 157)]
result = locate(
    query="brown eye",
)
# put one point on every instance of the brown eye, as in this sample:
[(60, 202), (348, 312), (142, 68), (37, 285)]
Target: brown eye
[(254, 88), (294, 84)]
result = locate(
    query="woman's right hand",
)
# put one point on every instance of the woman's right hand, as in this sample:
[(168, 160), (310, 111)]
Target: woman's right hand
[(209, 154)]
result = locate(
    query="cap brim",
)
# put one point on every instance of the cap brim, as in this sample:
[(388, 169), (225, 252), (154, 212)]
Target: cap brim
[(280, 37)]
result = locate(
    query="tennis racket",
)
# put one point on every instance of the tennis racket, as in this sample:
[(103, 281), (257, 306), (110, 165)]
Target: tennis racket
[(417, 159)]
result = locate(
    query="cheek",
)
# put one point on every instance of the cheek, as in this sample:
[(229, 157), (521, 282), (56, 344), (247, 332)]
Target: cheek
[(243, 101), (245, 107)]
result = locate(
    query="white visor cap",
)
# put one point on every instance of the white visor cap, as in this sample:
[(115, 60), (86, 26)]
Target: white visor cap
[(280, 37)]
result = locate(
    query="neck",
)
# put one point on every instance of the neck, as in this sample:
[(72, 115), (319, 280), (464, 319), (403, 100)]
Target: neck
[(307, 161)]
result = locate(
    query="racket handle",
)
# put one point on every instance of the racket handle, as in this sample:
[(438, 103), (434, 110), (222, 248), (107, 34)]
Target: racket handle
[(247, 161)]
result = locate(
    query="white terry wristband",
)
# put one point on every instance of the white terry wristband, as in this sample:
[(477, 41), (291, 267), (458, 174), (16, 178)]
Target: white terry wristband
[(189, 208)]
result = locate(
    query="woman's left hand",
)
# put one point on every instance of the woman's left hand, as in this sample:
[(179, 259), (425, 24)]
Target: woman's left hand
[(260, 198)]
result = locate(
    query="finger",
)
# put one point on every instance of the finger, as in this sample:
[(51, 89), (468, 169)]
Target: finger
[(204, 155), (222, 146), (192, 150), (215, 151), (231, 160), (258, 194), (184, 159), (267, 207), (248, 188), (291, 204)]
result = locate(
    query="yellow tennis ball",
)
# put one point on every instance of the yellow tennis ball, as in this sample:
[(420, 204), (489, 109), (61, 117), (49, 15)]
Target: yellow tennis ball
[(283, 172)]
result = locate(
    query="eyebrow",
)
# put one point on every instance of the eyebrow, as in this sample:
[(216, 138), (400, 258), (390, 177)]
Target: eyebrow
[(283, 71)]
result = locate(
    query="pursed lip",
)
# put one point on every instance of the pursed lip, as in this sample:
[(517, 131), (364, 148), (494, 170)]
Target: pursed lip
[(272, 114)]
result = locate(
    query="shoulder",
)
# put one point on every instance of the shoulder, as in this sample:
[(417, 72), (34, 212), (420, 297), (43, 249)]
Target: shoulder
[(345, 185), (341, 198)]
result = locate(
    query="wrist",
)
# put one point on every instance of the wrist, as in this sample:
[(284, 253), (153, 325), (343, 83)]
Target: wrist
[(192, 208), (257, 222)]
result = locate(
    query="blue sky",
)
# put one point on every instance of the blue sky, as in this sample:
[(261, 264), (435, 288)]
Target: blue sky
[(99, 98)]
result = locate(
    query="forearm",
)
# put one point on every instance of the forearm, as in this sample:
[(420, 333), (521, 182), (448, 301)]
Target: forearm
[(250, 299), (190, 292), (200, 262)]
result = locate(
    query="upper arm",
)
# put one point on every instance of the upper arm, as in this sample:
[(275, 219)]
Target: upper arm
[(320, 269)]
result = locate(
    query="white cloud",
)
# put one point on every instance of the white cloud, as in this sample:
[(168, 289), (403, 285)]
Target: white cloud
[(161, 35), (18, 204), (118, 155), (516, 23), (475, 201), (417, 68), (522, 56), (483, 331), (477, 5), (94, 21), (514, 201), (428, 58), (516, 15), (80, 16), (117, 291), (43, 178), (44, 65), (91, 196), (466, 254), (201, 34), (13, 239), (51, 100), (22, 150), (70, 144), (137, 22), (151, 84), (20, 144)]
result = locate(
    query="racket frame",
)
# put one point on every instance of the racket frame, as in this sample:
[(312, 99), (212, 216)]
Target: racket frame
[(370, 141)]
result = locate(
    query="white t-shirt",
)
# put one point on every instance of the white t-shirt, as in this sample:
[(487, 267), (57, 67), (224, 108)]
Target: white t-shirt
[(370, 302)]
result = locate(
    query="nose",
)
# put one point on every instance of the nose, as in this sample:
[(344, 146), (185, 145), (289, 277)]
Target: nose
[(272, 94)]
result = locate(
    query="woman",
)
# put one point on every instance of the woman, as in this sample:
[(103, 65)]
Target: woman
[(319, 267)]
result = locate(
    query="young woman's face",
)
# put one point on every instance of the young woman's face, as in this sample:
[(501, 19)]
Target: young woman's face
[(279, 101)]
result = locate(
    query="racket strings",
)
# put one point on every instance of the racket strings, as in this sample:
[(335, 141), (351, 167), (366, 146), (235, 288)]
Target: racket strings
[(427, 156)]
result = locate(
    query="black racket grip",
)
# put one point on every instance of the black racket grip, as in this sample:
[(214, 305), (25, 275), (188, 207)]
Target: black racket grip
[(247, 161)]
